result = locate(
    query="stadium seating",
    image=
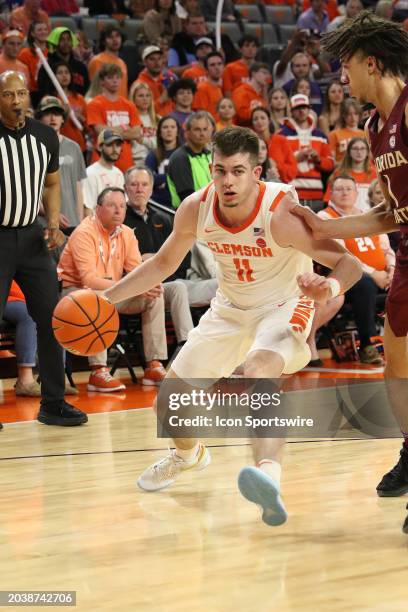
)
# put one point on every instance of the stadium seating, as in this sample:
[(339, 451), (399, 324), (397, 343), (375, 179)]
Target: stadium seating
[(279, 15), (92, 26), (64, 22), (286, 33), (249, 12), (132, 28)]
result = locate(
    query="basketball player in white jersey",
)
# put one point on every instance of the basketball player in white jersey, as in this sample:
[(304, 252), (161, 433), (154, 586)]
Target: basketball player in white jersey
[(264, 259)]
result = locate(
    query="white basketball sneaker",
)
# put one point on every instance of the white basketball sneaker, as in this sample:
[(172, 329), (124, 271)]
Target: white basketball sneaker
[(166, 471)]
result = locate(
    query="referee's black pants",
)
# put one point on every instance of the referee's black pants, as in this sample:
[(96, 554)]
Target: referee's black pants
[(24, 256)]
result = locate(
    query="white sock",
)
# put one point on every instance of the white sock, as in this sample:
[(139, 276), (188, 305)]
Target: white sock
[(189, 455), (272, 468)]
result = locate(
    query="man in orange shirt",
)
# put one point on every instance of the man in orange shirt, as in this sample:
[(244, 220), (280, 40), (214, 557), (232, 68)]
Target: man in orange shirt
[(12, 44), (110, 43), (198, 71), (209, 92), (237, 72), (23, 16), (97, 254), (154, 76), (250, 95), (109, 109)]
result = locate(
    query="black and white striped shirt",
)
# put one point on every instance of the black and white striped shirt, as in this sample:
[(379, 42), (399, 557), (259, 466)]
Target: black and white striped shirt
[(26, 157)]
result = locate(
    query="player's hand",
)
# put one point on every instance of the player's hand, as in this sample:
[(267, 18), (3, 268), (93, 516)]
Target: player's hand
[(316, 224), (54, 238), (315, 287), (154, 293), (390, 273), (380, 277)]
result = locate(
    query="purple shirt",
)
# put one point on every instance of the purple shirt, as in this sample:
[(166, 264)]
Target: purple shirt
[(308, 21)]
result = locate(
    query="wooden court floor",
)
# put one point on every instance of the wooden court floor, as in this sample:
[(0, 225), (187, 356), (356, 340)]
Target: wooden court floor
[(72, 518)]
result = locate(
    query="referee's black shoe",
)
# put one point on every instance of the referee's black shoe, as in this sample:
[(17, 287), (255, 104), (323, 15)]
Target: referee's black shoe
[(405, 525), (61, 413), (395, 483)]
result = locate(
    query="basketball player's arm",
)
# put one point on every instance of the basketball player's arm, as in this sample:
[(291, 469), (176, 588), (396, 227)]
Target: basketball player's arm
[(166, 261), (290, 231)]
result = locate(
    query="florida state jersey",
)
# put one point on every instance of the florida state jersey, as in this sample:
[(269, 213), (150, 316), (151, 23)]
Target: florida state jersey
[(253, 271)]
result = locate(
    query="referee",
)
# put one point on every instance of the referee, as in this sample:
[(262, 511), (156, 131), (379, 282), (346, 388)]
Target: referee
[(29, 154)]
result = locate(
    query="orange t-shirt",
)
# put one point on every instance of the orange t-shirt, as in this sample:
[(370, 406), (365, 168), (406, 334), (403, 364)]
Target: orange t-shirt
[(281, 152), (100, 59), (245, 99), (8, 64), (207, 97), (235, 74), (157, 88), (116, 113), (339, 139), (15, 293), (197, 73), (32, 61), (69, 129)]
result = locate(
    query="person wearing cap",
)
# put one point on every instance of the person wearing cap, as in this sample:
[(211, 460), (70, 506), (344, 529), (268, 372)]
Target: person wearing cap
[(198, 71), (236, 73), (301, 68), (210, 92), (161, 20), (182, 93), (311, 150), (157, 79), (61, 42), (12, 45), (51, 111), (23, 16), (110, 43), (182, 48), (110, 110), (248, 96), (103, 173)]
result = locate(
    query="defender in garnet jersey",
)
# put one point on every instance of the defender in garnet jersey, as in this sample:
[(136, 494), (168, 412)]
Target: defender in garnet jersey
[(264, 306), (374, 55)]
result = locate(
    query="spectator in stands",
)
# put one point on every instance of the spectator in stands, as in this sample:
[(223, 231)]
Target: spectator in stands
[(189, 166), (315, 18), (357, 164), (83, 52), (353, 8), (168, 141), (12, 44), (311, 150), (210, 92), (110, 43), (23, 16), (384, 9), (37, 36), (152, 228), (138, 8), (226, 113), (181, 92), (300, 66), (157, 78), (198, 71), (278, 107), (60, 7), (209, 8), (378, 261), (237, 72), (109, 109), (302, 42), (107, 7), (51, 111), (329, 119), (182, 47), (270, 170), (103, 173), (77, 104), (62, 41), (142, 98), (278, 148), (250, 95), (375, 196), (161, 20), (350, 115), (87, 261)]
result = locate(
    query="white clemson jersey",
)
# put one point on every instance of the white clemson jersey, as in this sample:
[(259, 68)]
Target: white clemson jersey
[(253, 271)]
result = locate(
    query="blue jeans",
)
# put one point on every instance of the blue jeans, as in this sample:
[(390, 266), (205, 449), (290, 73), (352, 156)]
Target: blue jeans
[(26, 332)]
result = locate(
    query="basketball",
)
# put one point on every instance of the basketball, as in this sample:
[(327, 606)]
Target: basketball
[(84, 323)]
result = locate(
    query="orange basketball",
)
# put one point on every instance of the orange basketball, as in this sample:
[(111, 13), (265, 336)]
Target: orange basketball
[(85, 323)]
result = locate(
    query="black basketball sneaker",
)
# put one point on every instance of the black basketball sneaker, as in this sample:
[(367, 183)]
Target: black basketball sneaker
[(395, 482)]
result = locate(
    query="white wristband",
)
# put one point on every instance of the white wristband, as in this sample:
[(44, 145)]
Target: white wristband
[(334, 286)]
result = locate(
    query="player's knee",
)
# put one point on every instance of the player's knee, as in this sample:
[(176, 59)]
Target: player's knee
[(263, 364)]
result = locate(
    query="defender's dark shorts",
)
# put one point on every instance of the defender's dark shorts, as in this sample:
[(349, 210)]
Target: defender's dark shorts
[(397, 300)]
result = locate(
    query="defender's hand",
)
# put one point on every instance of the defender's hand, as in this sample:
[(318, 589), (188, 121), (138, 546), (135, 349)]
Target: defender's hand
[(316, 224)]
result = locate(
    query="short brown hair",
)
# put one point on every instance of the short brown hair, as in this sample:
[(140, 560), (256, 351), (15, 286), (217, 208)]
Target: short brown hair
[(109, 70), (233, 140)]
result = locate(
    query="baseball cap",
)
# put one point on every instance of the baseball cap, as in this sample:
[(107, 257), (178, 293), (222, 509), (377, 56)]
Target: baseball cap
[(299, 100), (48, 102), (12, 34), (107, 137), (151, 49), (204, 40)]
